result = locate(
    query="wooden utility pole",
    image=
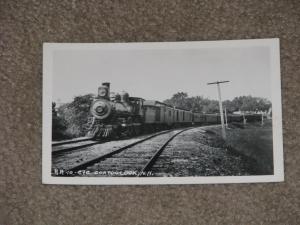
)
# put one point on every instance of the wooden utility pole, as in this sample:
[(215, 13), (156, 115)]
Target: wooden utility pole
[(226, 117), (220, 105)]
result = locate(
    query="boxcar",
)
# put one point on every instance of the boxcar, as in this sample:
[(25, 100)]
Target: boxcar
[(212, 118), (182, 116), (199, 118), (168, 115), (253, 117), (158, 113), (234, 118)]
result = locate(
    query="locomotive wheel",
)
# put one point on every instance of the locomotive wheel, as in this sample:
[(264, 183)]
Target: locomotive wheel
[(117, 132), (137, 130), (128, 132), (131, 131), (93, 133)]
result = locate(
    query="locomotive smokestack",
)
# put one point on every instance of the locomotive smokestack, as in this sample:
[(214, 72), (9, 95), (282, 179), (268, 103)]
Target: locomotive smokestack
[(107, 84)]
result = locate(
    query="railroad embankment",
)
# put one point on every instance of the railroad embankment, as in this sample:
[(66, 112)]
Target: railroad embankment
[(197, 152), (253, 141)]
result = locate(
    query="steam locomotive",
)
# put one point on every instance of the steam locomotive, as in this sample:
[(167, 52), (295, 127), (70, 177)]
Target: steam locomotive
[(121, 115)]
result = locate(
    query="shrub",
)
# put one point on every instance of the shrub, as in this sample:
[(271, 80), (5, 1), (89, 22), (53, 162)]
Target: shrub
[(74, 116)]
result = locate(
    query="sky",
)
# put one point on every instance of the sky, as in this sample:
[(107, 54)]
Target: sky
[(157, 74)]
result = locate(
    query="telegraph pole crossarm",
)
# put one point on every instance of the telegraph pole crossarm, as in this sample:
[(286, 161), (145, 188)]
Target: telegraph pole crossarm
[(218, 82)]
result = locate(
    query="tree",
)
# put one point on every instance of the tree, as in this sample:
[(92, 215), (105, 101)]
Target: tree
[(196, 104), (205, 105), (212, 106), (178, 100), (76, 114), (263, 104), (249, 103), (230, 107), (59, 125)]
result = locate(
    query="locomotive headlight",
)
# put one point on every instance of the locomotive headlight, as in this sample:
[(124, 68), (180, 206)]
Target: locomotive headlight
[(102, 92)]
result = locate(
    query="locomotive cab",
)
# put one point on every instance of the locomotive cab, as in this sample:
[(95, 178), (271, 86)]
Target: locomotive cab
[(137, 104)]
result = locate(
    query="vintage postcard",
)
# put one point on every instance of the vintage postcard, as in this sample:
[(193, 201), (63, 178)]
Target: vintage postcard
[(162, 112)]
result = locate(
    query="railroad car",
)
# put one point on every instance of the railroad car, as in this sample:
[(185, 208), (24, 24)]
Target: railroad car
[(121, 115), (234, 118), (199, 118), (252, 117)]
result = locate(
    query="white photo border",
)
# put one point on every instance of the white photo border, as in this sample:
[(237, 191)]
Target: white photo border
[(273, 44)]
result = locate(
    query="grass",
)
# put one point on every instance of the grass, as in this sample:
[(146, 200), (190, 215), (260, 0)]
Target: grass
[(254, 142)]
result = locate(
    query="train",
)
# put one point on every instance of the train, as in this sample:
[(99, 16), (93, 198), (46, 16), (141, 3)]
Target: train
[(121, 115)]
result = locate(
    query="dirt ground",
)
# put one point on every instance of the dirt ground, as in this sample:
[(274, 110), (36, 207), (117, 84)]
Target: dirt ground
[(200, 152)]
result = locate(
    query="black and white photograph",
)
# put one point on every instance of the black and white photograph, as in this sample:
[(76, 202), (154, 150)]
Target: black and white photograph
[(162, 112)]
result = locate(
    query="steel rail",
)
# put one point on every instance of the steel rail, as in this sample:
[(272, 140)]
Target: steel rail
[(57, 152), (91, 162), (70, 141), (152, 161)]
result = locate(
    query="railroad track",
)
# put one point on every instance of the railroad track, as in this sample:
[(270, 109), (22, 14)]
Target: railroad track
[(69, 146), (150, 161), (59, 143), (61, 147)]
